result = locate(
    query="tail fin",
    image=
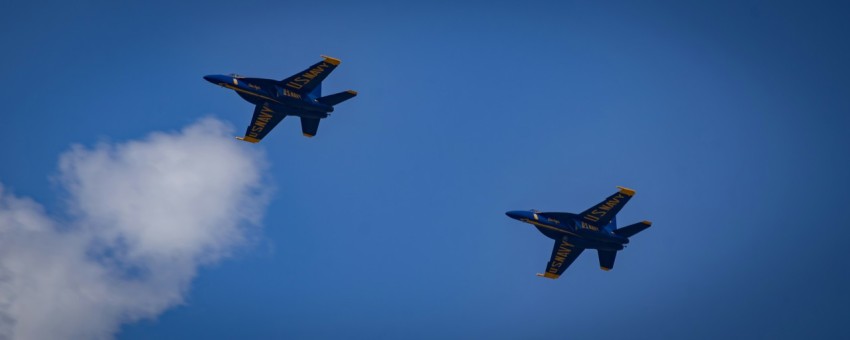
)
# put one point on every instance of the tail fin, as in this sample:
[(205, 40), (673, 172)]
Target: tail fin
[(631, 230), (337, 98), (606, 259)]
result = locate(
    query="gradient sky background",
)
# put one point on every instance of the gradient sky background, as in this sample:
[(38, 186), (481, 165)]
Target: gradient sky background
[(729, 119)]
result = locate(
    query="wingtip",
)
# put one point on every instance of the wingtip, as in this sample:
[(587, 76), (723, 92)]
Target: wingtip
[(352, 92), (605, 269), (548, 275), (331, 60), (626, 191), (308, 135), (248, 139), (646, 222)]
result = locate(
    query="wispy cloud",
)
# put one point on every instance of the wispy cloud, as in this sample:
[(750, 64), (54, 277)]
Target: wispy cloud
[(144, 216)]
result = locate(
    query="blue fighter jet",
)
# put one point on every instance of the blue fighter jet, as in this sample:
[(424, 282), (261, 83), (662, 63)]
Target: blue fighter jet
[(595, 228), (299, 95)]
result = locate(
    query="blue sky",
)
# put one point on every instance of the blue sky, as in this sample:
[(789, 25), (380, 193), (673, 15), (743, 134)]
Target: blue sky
[(729, 119)]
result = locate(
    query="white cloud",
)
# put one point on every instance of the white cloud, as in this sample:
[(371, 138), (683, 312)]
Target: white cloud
[(144, 216)]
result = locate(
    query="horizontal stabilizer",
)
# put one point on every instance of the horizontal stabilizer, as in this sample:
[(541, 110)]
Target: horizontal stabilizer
[(606, 259), (337, 98), (631, 230), (309, 126)]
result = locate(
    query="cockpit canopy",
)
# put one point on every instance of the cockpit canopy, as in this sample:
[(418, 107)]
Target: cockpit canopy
[(237, 76)]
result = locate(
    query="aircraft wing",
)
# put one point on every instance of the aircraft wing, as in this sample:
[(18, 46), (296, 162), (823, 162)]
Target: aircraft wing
[(305, 81), (601, 214), (563, 255), (264, 120)]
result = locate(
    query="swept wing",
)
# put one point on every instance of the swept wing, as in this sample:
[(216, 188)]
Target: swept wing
[(563, 255), (263, 121)]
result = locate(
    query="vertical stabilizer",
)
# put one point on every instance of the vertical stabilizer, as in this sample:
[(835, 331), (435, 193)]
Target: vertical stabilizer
[(337, 98), (631, 230)]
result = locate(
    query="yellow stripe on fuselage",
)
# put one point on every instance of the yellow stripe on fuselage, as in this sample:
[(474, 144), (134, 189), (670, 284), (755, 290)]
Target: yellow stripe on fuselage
[(249, 92), (548, 227)]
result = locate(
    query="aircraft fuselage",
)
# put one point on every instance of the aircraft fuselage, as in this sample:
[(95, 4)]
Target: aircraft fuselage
[(583, 234), (258, 91)]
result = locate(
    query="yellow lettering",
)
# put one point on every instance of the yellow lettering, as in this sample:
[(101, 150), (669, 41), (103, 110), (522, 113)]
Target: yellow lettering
[(291, 94), (606, 207), (306, 77)]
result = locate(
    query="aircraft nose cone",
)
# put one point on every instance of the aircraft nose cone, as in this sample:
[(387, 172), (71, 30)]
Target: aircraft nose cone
[(210, 79), (514, 214)]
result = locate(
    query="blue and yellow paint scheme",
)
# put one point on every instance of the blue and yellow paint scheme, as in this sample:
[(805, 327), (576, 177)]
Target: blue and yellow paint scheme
[(594, 228), (299, 95)]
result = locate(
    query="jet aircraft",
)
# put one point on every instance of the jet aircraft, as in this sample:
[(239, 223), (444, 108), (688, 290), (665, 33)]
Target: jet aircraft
[(594, 228), (299, 95)]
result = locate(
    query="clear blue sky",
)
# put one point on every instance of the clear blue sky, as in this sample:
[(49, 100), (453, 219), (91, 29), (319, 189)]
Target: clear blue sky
[(731, 120)]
